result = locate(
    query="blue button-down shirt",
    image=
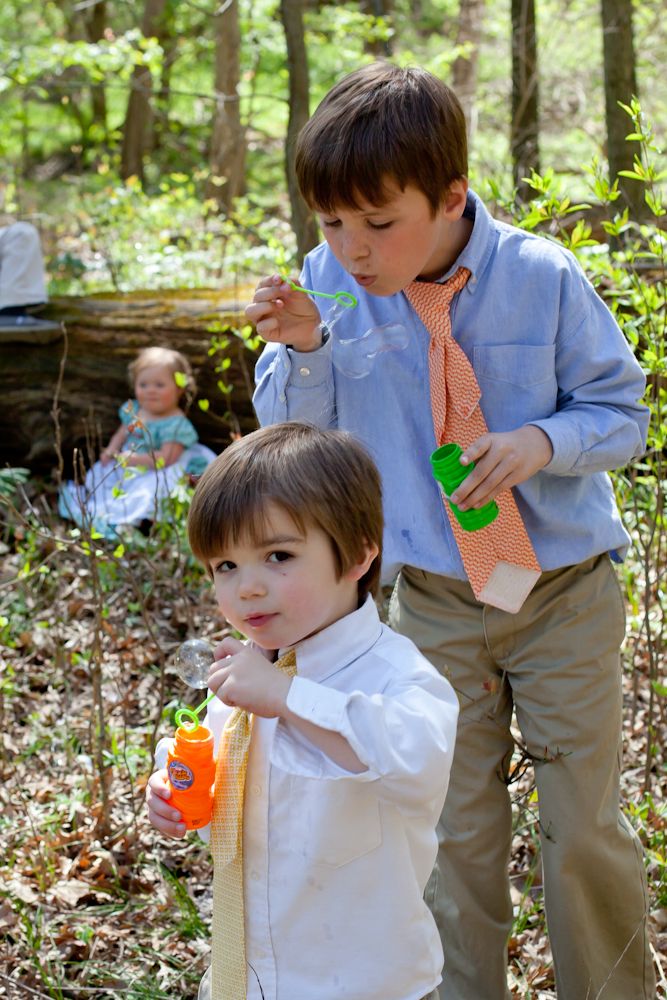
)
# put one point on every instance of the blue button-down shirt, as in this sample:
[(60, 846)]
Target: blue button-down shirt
[(545, 350)]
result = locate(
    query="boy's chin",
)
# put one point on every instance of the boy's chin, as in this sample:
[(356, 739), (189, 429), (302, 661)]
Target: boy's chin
[(270, 652)]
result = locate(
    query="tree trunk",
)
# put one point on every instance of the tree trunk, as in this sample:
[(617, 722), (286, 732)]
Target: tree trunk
[(96, 22), (303, 223), (524, 132), (163, 95), (620, 84), (138, 119), (378, 8), (227, 150), (104, 333), (464, 70)]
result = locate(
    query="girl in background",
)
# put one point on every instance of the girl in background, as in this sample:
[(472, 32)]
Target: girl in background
[(153, 448)]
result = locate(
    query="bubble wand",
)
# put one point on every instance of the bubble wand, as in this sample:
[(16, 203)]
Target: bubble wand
[(345, 299)]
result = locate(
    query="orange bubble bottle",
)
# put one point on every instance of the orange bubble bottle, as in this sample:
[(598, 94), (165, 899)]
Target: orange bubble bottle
[(191, 774)]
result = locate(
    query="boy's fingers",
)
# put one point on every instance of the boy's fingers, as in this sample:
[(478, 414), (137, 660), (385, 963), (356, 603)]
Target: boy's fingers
[(160, 812), (484, 489), (475, 450), (162, 809), (160, 792), (228, 647), (260, 312), (168, 827), (218, 676), (481, 481)]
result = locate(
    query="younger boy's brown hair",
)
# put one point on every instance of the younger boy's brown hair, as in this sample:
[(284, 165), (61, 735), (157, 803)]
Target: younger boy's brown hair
[(382, 123), (319, 477)]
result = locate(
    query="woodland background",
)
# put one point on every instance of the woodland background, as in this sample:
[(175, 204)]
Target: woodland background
[(151, 144)]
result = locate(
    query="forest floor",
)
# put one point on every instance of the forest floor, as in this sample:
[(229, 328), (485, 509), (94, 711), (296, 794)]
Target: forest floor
[(93, 903)]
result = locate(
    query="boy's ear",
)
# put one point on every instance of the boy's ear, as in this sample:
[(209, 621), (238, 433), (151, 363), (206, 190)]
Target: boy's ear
[(454, 202), (360, 568)]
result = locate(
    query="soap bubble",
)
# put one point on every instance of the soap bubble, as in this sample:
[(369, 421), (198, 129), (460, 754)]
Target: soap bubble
[(355, 356), (193, 659)]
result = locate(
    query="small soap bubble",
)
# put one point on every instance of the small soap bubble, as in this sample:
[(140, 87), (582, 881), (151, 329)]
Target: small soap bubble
[(193, 659)]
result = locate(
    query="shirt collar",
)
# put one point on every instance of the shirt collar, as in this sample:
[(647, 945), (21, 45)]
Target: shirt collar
[(335, 647), (477, 251)]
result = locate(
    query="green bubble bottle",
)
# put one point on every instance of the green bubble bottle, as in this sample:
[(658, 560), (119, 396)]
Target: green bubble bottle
[(448, 471)]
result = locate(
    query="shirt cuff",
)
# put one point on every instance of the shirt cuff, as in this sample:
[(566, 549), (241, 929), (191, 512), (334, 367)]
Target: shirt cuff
[(326, 708), (162, 752), (310, 368), (565, 443)]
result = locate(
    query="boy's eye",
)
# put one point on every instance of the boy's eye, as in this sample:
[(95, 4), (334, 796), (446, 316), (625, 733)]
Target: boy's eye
[(277, 557), (330, 223), (379, 225), (224, 566)]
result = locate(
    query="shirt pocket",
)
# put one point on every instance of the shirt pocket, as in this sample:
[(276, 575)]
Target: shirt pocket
[(332, 822), (503, 369)]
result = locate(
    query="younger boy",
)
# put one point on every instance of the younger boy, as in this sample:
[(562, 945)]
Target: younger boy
[(531, 619), (349, 760)]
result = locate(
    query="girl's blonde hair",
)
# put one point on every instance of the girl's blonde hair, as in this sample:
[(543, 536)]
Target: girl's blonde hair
[(165, 357)]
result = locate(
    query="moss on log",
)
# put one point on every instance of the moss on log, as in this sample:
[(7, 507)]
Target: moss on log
[(67, 384)]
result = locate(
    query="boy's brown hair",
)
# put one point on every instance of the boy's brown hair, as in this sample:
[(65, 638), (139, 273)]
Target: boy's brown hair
[(165, 357), (321, 478), (382, 123)]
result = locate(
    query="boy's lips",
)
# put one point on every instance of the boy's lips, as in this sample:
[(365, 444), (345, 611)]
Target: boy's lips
[(256, 621), (364, 279)]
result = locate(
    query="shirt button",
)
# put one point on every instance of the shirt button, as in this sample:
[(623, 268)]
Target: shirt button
[(256, 790), (304, 371), (283, 397), (254, 875)]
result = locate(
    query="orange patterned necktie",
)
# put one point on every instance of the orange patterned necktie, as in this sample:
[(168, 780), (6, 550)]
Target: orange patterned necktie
[(499, 559), (228, 966)]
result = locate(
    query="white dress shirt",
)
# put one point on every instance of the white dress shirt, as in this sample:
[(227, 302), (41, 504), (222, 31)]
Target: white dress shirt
[(335, 864)]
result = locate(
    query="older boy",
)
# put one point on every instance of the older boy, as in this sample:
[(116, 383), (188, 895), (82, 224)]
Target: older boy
[(531, 617), (349, 760)]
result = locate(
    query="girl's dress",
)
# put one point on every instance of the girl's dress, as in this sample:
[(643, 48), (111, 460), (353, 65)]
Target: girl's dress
[(113, 495)]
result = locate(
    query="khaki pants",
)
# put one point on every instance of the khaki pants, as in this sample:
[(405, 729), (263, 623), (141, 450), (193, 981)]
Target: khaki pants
[(557, 664)]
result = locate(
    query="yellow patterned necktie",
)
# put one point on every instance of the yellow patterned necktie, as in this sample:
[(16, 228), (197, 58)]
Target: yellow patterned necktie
[(228, 967)]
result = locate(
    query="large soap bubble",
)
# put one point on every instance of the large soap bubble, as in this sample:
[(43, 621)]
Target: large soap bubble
[(355, 356), (193, 660)]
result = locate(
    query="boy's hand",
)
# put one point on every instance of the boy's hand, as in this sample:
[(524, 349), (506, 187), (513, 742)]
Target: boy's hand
[(283, 316), (244, 678), (501, 461), (164, 817)]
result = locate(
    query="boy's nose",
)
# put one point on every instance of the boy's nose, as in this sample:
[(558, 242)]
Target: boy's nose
[(355, 247), (251, 585)]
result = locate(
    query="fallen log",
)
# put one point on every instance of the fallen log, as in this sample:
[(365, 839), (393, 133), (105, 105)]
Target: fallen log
[(60, 389)]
